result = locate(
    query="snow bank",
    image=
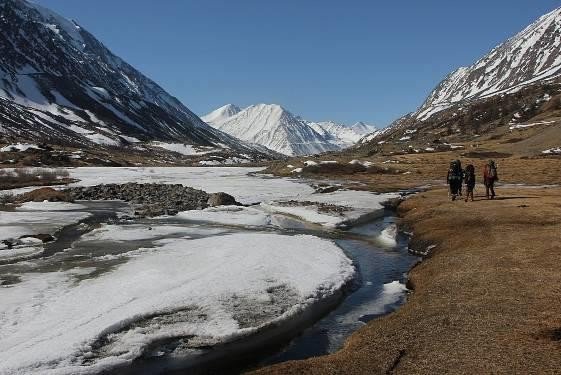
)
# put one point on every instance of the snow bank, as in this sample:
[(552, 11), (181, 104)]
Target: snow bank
[(346, 207), (50, 206), (123, 233), (184, 149), (229, 215), (307, 213), (552, 151), (363, 163), (58, 323), (19, 147), (27, 220), (524, 126), (19, 253)]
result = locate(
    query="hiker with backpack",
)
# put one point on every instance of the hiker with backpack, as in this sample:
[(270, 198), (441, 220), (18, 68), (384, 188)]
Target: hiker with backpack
[(490, 176), (454, 178), (469, 179)]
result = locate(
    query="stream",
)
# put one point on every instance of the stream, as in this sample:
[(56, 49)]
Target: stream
[(87, 250)]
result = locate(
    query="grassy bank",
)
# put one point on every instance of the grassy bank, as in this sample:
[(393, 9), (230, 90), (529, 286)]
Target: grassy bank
[(486, 301)]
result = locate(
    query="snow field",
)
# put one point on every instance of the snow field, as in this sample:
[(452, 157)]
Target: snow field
[(52, 323)]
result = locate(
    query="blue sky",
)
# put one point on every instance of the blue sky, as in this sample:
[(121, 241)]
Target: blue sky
[(324, 60)]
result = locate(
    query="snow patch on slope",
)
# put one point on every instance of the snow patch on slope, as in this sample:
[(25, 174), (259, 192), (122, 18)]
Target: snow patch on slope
[(533, 54)]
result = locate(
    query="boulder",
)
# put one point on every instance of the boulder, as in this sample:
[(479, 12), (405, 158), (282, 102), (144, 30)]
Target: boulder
[(221, 199)]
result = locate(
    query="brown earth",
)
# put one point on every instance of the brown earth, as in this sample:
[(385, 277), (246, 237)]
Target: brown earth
[(404, 171), (486, 301), (45, 194)]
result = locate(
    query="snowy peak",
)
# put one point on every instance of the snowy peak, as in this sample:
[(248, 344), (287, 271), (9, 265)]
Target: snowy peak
[(336, 133), (221, 114), (362, 128), (276, 128), (532, 55)]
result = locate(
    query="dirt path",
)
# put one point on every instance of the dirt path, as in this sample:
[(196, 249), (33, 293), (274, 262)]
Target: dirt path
[(488, 300)]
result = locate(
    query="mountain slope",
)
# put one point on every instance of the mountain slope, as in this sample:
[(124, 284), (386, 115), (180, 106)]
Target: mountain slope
[(532, 55), (362, 128), (276, 128), (337, 134), (509, 99), (61, 85)]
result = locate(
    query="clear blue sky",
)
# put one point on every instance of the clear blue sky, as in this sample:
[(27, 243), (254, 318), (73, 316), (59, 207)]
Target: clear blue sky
[(325, 60)]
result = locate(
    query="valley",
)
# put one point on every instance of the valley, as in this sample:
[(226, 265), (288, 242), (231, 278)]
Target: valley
[(137, 236)]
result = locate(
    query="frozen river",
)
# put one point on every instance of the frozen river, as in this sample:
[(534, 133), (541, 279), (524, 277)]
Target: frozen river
[(177, 292)]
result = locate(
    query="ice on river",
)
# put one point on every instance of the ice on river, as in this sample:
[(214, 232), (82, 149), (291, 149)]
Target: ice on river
[(186, 289), (247, 189), (32, 219), (190, 285)]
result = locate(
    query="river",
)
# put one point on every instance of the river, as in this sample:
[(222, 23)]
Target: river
[(222, 290)]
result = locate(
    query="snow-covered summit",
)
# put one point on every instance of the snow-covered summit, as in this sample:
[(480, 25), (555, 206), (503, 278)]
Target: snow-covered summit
[(339, 134), (276, 128), (532, 55), (363, 128), (221, 114)]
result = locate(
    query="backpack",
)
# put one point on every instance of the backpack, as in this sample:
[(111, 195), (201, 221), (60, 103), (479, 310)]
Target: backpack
[(492, 171), (469, 175), (455, 170)]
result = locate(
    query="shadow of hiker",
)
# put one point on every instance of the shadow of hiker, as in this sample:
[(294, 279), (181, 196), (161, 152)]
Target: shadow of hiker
[(509, 198), (480, 198)]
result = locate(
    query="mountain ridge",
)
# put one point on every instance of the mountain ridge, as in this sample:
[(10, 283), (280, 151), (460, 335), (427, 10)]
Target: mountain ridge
[(513, 94), (276, 128), (532, 54), (59, 84)]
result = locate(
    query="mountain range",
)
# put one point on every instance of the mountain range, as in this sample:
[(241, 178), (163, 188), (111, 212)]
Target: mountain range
[(276, 128), (60, 85)]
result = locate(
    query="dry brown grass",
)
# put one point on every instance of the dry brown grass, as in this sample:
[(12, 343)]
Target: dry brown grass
[(19, 177), (44, 194), (487, 301), (413, 170)]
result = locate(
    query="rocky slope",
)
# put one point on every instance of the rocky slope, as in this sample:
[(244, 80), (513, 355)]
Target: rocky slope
[(511, 94), (59, 84), (276, 128), (533, 55)]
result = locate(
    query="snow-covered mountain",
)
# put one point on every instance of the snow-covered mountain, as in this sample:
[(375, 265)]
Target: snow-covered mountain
[(335, 133), (221, 114), (530, 56), (274, 127), (59, 84), (362, 128), (517, 85)]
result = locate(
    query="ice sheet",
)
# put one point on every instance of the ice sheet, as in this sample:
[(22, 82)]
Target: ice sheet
[(56, 323)]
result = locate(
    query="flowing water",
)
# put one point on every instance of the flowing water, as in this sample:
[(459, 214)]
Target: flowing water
[(377, 289), (320, 332)]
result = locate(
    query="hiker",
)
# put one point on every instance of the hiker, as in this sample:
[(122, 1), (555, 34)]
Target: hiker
[(469, 179), (461, 178), (454, 178), (490, 176)]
